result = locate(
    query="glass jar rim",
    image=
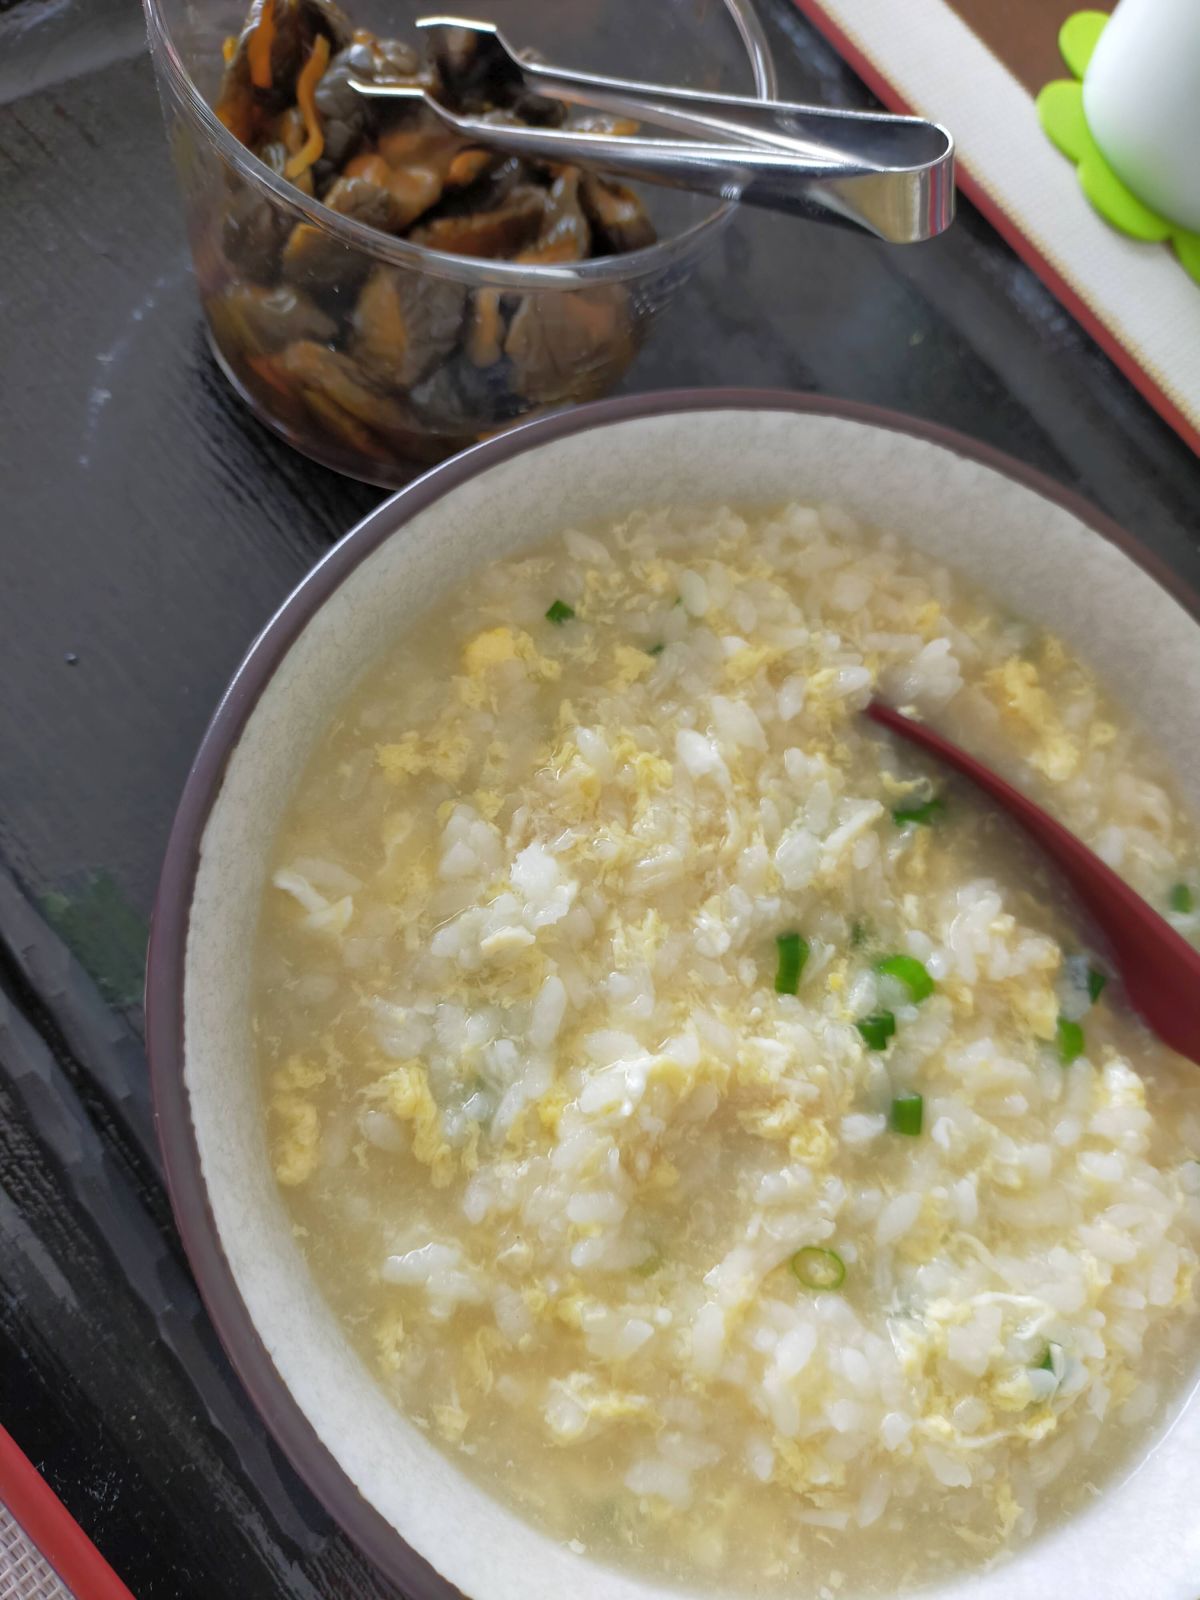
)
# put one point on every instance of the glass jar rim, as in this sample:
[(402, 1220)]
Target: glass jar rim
[(465, 269)]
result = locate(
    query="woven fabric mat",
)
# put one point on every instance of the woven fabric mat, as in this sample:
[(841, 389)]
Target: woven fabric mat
[(25, 1574)]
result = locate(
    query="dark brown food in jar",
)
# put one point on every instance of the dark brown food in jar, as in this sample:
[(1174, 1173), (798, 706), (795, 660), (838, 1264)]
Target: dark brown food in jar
[(471, 164), (618, 218), (489, 188), (323, 16), (260, 78), (260, 321), (474, 79), (345, 114), (420, 153), (571, 345), (505, 230), (252, 233), (366, 202), (460, 398), (448, 196), (404, 324), (374, 359), (414, 189), (275, 154), (564, 234), (345, 427), (315, 261), (484, 342), (441, 403), (418, 138), (338, 380)]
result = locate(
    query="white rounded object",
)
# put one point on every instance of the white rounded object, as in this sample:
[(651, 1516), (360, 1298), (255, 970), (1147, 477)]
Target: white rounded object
[(1141, 97)]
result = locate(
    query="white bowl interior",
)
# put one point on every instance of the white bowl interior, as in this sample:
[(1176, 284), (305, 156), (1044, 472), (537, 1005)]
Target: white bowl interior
[(1038, 560)]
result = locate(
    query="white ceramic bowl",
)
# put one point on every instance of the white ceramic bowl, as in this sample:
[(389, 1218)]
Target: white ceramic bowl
[(1039, 552)]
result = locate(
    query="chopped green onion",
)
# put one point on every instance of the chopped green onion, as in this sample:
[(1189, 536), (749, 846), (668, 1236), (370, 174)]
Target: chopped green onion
[(656, 649), (1046, 1364), (877, 1029), (559, 612), (911, 973), (908, 1114), (923, 813), (818, 1268), (793, 953), (1182, 898), (678, 601), (1070, 1040), (648, 1267), (1095, 983), (858, 935)]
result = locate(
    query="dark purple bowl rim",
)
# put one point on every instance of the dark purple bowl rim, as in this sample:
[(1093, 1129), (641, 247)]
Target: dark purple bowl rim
[(291, 1429)]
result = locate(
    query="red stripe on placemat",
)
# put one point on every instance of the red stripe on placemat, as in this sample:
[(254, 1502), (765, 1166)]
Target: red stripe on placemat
[(52, 1528), (1008, 229)]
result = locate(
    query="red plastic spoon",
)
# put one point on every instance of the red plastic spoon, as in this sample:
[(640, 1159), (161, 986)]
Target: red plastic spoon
[(1159, 968)]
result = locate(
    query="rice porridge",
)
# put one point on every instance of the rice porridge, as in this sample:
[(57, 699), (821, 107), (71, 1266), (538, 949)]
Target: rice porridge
[(711, 1124)]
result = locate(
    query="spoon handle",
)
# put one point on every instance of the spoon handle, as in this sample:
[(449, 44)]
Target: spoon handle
[(1159, 968)]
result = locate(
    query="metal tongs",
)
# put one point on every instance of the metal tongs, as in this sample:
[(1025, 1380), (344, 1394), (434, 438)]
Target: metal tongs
[(892, 176)]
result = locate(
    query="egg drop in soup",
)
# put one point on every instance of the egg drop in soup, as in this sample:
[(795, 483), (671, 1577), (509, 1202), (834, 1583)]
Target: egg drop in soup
[(713, 1127)]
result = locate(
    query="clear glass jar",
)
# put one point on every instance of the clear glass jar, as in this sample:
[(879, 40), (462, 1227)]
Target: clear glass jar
[(302, 322)]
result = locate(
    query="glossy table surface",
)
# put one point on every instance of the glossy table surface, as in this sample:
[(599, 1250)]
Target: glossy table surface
[(149, 529)]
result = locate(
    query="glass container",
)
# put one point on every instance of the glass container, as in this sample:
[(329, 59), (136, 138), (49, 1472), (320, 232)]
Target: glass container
[(301, 300)]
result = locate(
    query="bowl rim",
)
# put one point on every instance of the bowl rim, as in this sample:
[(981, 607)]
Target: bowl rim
[(166, 955), (464, 269)]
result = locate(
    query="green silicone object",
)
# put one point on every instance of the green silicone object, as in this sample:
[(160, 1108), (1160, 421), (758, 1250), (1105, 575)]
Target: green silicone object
[(1060, 111), (1078, 37)]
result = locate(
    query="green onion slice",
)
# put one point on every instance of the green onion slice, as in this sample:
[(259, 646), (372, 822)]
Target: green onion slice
[(1182, 898), (648, 1267), (924, 812), (858, 934), (877, 1029), (818, 1268), (911, 973), (793, 953), (656, 649), (1095, 983), (908, 1114), (1070, 1040), (1046, 1364), (559, 612)]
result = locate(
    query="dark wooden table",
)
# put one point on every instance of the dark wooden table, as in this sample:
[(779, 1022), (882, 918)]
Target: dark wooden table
[(149, 529)]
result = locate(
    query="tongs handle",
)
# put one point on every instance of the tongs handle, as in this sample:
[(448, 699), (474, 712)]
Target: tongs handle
[(891, 175), (711, 118)]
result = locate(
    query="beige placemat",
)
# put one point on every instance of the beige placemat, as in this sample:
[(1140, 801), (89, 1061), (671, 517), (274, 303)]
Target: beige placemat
[(25, 1574)]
